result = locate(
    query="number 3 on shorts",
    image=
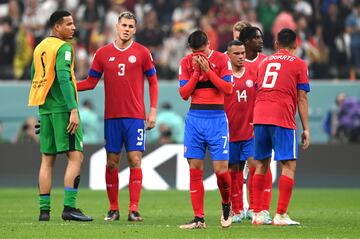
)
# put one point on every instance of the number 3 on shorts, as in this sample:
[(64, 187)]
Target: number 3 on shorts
[(141, 135)]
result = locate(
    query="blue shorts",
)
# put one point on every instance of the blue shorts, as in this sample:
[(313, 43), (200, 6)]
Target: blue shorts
[(241, 150), (128, 131), (284, 142), (206, 128)]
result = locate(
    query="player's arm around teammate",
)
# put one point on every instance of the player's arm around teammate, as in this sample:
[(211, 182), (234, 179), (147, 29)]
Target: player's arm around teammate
[(124, 63)]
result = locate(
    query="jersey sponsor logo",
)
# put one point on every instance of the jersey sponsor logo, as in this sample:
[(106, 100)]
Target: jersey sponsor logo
[(67, 56), (132, 59), (139, 143), (249, 83), (112, 58)]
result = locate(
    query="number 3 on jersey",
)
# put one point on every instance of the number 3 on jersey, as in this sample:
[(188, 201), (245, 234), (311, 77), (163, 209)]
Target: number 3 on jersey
[(121, 71), (272, 74)]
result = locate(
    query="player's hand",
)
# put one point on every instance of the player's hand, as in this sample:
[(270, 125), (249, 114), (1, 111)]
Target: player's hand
[(305, 139), (151, 119), (37, 127), (73, 122), (195, 65), (203, 63)]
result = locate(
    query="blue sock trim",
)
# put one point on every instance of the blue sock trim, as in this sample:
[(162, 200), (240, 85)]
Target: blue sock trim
[(70, 189)]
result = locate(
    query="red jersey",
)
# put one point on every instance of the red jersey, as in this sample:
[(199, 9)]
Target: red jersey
[(206, 92), (239, 108), (280, 76), (124, 71), (252, 65)]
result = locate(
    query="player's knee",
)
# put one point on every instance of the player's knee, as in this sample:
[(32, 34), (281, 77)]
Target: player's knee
[(135, 162), (221, 167), (113, 161), (75, 156), (262, 167), (220, 170), (288, 168), (111, 164)]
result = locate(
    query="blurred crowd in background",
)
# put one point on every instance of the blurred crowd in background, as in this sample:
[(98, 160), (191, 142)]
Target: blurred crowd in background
[(342, 122), (328, 39), (328, 30)]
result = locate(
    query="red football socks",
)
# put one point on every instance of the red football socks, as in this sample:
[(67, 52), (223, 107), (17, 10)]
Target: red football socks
[(197, 191), (112, 187), (286, 185), (258, 189), (135, 186), (235, 195), (241, 185), (250, 187), (224, 184), (267, 190)]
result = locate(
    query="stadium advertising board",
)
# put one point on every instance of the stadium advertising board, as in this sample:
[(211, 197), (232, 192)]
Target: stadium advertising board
[(164, 167)]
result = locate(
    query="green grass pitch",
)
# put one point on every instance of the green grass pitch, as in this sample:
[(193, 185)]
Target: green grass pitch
[(323, 213)]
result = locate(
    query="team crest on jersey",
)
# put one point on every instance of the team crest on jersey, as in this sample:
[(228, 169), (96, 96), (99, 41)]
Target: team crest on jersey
[(249, 83), (132, 59)]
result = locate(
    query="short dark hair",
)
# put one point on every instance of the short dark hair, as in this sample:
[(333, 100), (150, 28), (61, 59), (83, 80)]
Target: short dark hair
[(235, 43), (197, 39), (127, 15), (248, 33), (57, 17), (286, 37)]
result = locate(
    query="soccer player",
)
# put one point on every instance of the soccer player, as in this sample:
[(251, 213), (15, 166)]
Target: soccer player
[(124, 63), (239, 110), (53, 90), (238, 26), (282, 86), (252, 38), (206, 76)]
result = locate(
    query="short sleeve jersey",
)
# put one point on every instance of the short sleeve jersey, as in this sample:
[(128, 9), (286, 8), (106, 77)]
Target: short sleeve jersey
[(239, 108), (124, 71), (252, 65), (206, 92), (280, 76)]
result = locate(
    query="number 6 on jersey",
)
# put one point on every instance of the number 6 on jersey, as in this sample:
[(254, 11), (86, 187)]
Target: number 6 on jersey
[(271, 73)]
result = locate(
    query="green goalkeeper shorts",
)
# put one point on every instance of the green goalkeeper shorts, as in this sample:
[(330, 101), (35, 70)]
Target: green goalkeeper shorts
[(54, 138)]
